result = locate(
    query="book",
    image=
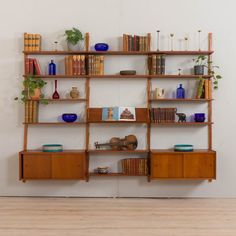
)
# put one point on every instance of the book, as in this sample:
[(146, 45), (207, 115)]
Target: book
[(26, 42), (206, 89), (37, 42), (110, 113), (37, 70), (127, 114)]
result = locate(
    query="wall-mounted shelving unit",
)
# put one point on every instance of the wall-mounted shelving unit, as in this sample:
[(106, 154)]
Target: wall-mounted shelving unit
[(163, 164)]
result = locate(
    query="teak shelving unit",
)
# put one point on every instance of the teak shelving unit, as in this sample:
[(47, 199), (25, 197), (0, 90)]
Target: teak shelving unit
[(164, 164)]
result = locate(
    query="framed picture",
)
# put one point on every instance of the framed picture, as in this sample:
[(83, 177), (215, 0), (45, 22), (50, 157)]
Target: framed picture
[(127, 113), (110, 113)]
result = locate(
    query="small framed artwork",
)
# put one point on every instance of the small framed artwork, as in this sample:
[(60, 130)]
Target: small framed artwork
[(127, 114), (110, 113)]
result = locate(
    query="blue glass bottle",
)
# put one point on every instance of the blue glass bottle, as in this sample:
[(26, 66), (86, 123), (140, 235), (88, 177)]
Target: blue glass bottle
[(52, 68), (180, 92)]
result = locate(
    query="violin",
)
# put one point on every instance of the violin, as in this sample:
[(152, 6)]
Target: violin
[(129, 142)]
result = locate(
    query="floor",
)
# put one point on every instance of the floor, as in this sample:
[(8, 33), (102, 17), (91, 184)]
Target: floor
[(117, 217)]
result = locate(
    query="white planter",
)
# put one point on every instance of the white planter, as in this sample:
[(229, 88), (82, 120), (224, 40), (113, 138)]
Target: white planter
[(77, 47)]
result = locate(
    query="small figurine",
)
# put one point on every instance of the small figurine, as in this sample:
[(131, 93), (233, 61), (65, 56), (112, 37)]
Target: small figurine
[(182, 117)]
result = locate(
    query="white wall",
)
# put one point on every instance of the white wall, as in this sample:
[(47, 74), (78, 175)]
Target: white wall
[(106, 21)]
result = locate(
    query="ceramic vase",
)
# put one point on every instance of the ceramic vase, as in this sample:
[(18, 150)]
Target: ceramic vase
[(74, 93)]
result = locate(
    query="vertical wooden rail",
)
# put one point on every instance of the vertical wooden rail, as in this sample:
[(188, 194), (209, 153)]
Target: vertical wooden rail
[(87, 90), (210, 93), (149, 123), (25, 143)]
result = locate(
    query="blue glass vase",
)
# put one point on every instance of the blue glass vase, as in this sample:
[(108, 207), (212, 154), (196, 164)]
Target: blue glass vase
[(52, 68), (180, 92)]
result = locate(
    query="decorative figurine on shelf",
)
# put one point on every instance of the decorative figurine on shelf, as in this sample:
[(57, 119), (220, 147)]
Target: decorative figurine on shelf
[(179, 71), (55, 94), (158, 93), (181, 116), (180, 92), (199, 40), (52, 68), (172, 42), (158, 40), (74, 93), (186, 43)]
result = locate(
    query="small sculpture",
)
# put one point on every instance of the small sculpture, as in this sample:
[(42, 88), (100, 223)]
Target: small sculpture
[(182, 117)]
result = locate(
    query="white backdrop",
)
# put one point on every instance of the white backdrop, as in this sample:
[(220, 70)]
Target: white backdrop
[(106, 21)]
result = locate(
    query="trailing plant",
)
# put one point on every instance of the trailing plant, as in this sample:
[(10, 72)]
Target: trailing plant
[(73, 36), (30, 84), (201, 60)]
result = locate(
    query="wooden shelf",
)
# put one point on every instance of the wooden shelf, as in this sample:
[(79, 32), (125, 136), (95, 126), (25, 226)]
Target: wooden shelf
[(171, 151), (62, 100), (118, 76), (56, 123), (180, 100), (112, 174), (182, 124), (95, 116), (115, 151), (120, 53), (71, 151)]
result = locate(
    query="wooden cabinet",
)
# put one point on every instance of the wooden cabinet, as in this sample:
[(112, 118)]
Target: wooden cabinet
[(37, 166), (167, 166), (68, 166), (65, 165), (198, 165), (180, 165)]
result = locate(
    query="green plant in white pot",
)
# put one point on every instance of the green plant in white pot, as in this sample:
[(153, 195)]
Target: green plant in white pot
[(74, 39)]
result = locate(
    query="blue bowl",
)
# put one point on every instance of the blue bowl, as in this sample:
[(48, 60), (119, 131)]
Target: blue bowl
[(69, 117), (183, 147), (101, 46), (199, 117)]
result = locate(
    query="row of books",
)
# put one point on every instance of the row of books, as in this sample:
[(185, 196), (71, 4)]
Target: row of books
[(84, 65), (136, 42), (31, 111), (32, 67), (156, 64), (32, 42), (134, 166), (203, 90), (163, 115)]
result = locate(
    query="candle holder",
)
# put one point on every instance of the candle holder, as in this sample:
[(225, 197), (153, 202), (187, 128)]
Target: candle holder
[(56, 46), (186, 43), (158, 40), (171, 42), (199, 40), (179, 71)]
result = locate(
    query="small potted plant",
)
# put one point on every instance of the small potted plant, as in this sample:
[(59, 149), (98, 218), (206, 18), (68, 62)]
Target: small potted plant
[(74, 39), (201, 63), (32, 89)]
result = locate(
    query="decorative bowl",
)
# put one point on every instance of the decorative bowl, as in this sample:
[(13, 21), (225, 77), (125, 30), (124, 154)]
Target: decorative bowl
[(199, 117), (69, 117), (183, 148), (102, 170), (101, 46), (128, 72), (52, 148)]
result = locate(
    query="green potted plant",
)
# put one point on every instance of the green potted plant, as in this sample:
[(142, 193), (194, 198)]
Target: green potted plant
[(201, 62), (32, 89), (74, 39)]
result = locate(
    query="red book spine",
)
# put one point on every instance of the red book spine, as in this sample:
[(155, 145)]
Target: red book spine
[(36, 67), (27, 66), (31, 66)]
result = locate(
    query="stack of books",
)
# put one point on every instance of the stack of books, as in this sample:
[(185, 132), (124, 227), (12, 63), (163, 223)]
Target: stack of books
[(136, 43), (84, 65), (156, 64), (75, 65), (32, 67), (134, 166), (31, 111), (163, 115), (32, 42)]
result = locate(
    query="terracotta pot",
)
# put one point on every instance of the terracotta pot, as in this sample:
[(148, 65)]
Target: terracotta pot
[(37, 93)]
